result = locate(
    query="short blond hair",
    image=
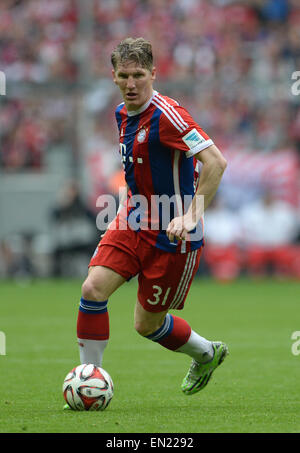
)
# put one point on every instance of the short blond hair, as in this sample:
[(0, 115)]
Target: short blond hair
[(136, 50)]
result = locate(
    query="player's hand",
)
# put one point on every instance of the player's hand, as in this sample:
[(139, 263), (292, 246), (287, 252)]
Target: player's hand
[(180, 227)]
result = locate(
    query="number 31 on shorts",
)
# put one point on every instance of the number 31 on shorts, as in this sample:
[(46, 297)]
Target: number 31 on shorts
[(158, 294)]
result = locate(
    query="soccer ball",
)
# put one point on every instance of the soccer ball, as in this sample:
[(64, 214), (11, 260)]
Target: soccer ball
[(88, 388)]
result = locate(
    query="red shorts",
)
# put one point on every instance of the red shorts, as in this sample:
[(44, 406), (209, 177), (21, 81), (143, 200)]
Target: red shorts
[(164, 278)]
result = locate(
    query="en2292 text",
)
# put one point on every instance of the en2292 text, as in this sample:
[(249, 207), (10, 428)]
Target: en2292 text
[(172, 442)]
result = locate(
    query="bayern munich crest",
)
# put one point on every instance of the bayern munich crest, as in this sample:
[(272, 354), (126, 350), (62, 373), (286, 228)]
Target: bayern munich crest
[(141, 135)]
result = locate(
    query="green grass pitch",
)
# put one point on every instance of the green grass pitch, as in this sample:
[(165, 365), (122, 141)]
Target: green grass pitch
[(255, 390)]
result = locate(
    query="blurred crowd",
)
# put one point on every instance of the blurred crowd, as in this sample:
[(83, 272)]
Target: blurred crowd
[(230, 63), (262, 238), (29, 129)]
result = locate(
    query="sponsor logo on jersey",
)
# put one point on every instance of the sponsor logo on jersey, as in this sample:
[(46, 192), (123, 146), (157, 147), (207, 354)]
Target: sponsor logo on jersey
[(193, 138)]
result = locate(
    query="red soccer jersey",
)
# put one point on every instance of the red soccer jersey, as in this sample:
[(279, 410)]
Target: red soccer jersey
[(157, 145)]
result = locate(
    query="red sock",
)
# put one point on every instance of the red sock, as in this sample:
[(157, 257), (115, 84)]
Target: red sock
[(93, 320), (173, 334)]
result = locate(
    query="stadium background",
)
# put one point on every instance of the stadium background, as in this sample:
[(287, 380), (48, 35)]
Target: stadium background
[(229, 63)]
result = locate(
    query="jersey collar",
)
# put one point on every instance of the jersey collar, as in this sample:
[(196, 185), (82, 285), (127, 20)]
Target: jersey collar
[(143, 107)]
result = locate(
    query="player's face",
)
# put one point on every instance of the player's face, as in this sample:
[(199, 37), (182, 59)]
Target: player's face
[(135, 84)]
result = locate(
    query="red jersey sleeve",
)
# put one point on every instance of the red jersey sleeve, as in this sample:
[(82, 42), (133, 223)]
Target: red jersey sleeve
[(178, 130)]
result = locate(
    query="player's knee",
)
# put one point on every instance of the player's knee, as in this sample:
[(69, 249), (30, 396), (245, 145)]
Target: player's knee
[(92, 291)]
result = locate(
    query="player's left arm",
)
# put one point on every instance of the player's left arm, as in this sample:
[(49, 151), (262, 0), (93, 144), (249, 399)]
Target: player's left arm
[(213, 167)]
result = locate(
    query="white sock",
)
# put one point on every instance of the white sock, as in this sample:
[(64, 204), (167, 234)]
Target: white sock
[(91, 351), (198, 348)]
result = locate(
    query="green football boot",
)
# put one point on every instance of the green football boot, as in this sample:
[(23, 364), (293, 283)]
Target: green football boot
[(199, 374), (67, 407)]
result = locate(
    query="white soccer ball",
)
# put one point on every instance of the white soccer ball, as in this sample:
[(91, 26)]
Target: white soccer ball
[(88, 388)]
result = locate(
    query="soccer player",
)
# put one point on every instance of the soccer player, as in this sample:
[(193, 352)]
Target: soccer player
[(161, 146)]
